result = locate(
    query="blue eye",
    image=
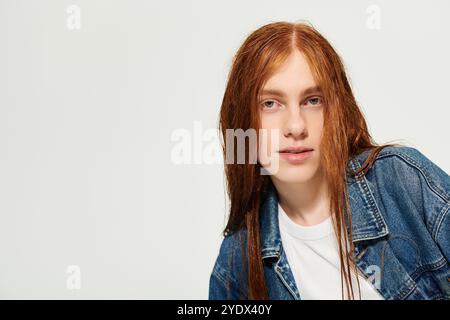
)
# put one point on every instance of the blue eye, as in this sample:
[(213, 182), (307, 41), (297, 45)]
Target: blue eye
[(317, 101), (272, 104)]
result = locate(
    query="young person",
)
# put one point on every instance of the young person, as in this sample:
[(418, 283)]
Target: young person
[(341, 217)]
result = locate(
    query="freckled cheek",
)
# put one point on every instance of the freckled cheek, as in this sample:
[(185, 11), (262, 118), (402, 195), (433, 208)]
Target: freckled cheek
[(268, 141), (264, 141), (273, 128)]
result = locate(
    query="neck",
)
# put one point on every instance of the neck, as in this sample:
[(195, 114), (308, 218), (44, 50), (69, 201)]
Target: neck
[(306, 203)]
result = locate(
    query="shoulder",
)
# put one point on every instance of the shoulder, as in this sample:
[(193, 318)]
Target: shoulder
[(406, 176), (412, 194), (232, 246), (410, 168), (230, 265)]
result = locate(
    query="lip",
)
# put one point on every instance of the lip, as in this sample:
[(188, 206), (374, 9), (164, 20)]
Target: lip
[(295, 158), (296, 149)]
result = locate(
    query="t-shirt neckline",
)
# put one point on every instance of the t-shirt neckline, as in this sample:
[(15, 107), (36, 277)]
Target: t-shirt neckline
[(314, 232)]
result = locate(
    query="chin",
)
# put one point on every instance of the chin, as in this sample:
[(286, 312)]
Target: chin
[(289, 178), (295, 174)]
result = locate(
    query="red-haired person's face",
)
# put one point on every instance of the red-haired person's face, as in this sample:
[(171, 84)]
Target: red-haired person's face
[(291, 102)]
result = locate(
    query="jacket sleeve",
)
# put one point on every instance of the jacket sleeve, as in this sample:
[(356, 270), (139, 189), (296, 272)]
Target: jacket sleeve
[(220, 285), (436, 198), (217, 288), (227, 279)]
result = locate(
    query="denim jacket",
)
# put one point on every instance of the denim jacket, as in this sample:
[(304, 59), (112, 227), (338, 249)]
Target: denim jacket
[(401, 233)]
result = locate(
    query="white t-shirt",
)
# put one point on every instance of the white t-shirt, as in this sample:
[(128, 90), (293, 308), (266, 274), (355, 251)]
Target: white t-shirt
[(313, 256)]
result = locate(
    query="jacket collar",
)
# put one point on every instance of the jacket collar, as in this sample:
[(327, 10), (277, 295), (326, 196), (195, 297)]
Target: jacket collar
[(367, 221)]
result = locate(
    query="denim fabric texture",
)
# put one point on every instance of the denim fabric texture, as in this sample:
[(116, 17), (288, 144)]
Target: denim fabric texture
[(400, 223)]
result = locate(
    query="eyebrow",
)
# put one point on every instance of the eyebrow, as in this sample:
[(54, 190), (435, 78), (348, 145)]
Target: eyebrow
[(279, 93)]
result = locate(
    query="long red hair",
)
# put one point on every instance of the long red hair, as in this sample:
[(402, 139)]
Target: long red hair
[(345, 134)]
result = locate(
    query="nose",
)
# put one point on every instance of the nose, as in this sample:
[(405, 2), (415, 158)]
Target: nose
[(294, 124)]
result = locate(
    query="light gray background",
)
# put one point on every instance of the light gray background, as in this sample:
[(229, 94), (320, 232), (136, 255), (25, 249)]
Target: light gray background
[(86, 118)]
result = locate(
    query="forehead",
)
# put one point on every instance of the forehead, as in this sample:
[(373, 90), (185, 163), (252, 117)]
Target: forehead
[(293, 74)]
